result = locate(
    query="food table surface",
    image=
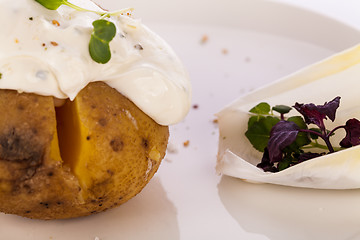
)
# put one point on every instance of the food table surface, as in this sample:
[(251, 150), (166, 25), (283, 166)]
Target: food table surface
[(229, 48)]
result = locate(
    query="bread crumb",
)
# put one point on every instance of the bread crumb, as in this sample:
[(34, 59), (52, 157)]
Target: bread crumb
[(195, 106), (204, 39), (56, 23), (186, 143), (225, 51)]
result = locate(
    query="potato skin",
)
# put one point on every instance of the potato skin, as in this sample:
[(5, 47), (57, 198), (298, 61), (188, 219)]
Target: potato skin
[(31, 182), (127, 148), (124, 137)]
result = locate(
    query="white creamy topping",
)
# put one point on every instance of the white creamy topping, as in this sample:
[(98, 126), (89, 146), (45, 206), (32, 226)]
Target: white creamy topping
[(46, 52)]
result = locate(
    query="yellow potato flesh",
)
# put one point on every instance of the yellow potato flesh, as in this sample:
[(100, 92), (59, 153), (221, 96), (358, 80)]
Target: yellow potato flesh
[(76, 149)]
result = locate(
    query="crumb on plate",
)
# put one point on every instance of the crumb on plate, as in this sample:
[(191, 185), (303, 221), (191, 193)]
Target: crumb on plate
[(56, 23), (204, 39)]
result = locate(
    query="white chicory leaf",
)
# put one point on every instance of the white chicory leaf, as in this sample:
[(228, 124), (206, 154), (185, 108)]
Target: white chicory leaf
[(338, 75)]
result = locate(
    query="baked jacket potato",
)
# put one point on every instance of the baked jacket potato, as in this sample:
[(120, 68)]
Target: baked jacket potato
[(87, 156)]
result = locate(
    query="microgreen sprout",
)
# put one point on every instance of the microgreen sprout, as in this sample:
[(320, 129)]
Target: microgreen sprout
[(284, 141), (104, 30)]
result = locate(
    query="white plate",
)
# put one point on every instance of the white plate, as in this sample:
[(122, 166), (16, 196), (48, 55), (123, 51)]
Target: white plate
[(250, 43)]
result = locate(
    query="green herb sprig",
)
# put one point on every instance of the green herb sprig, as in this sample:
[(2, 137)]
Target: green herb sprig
[(103, 33)]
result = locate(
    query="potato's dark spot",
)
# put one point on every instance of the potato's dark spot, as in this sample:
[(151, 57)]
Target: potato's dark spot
[(19, 147), (93, 106), (102, 122), (20, 107), (88, 138), (145, 143), (28, 211), (100, 205), (25, 187), (110, 172), (50, 174), (117, 144), (34, 130), (45, 204)]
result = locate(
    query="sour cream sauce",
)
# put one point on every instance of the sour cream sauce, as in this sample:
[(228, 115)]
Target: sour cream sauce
[(46, 52)]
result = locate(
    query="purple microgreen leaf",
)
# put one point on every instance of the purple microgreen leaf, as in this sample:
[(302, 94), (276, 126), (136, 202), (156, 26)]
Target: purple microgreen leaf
[(308, 155), (310, 113), (282, 135), (352, 138), (302, 138), (329, 109), (317, 113), (265, 163)]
